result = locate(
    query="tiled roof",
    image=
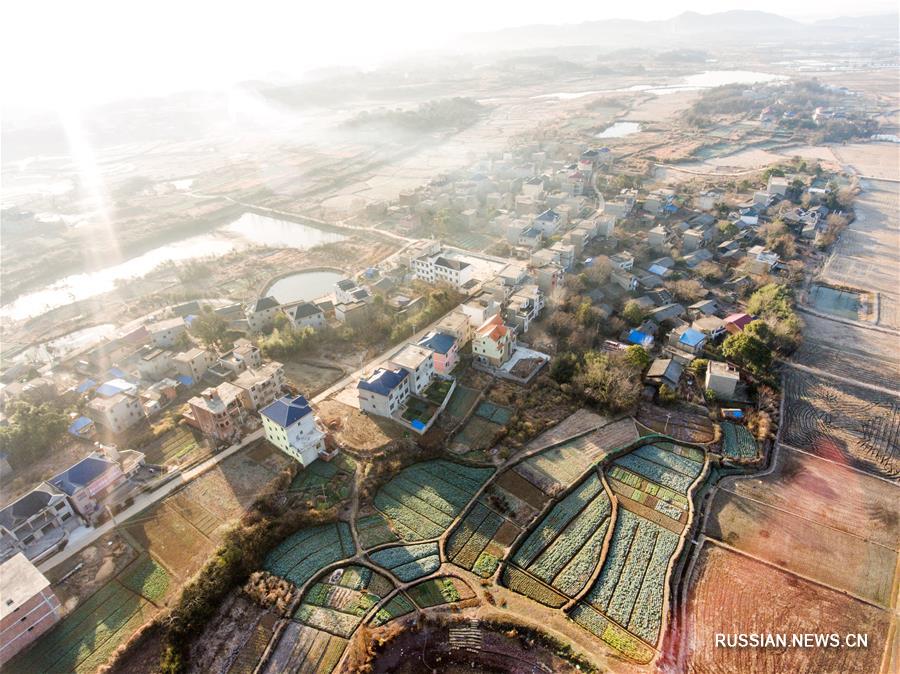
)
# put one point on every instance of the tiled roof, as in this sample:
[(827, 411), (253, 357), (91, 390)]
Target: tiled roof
[(287, 411), (383, 381), (439, 342), (263, 304)]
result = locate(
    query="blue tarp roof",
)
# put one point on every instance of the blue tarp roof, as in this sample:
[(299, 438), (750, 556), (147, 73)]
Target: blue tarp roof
[(692, 337), (659, 270), (438, 342), (640, 338), (287, 411), (116, 373), (383, 381), (86, 386), (184, 379), (114, 386), (79, 425)]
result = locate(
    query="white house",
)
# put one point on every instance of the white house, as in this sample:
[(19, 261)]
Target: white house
[(722, 379), (384, 391), (261, 313), (193, 363), (306, 315), (164, 333), (418, 363), (118, 412), (548, 222), (441, 269), (290, 425)]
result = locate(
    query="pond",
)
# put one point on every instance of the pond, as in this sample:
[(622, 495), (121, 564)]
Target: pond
[(249, 229), (306, 285), (619, 130), (843, 303), (67, 344)]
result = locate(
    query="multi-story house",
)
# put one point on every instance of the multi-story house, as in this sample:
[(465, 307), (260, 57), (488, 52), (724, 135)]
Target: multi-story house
[(37, 523), (260, 386), (28, 606), (384, 391), (218, 412), (193, 363), (290, 425), (306, 315), (418, 363), (445, 349), (261, 313), (118, 412), (493, 342)]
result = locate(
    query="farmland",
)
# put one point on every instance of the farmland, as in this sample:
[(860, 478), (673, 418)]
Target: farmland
[(846, 561), (176, 447), (679, 424), (438, 591), (305, 649), (300, 556), (738, 443), (338, 603), (422, 501), (564, 548), (843, 423), (408, 562), (326, 483), (84, 640), (396, 607), (725, 597)]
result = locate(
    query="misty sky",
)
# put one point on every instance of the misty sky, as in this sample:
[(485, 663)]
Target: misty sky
[(72, 53)]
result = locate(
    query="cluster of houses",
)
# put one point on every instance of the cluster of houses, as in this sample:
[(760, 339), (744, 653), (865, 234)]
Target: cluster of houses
[(40, 522)]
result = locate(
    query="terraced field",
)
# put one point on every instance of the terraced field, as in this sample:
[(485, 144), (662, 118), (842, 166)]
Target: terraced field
[(422, 501), (564, 548), (300, 556), (439, 591), (408, 562), (307, 650), (338, 603)]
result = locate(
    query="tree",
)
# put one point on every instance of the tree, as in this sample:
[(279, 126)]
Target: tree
[(779, 238), (748, 349), (609, 381), (709, 271), (633, 313), (687, 290), (599, 272), (32, 431), (564, 367), (211, 329), (638, 356), (698, 367), (667, 395)]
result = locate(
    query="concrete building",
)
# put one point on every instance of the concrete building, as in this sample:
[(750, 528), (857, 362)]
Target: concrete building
[(218, 412), (445, 348), (480, 308), (117, 413), (442, 269), (164, 333), (524, 307), (384, 391), (92, 480), (37, 524), (291, 425), (154, 363), (261, 313), (722, 379), (306, 315), (418, 362), (493, 342), (354, 314), (28, 606), (260, 386), (193, 363), (457, 323), (244, 355)]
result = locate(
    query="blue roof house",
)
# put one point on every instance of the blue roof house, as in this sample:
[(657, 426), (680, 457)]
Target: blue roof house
[(384, 391), (640, 338), (290, 424)]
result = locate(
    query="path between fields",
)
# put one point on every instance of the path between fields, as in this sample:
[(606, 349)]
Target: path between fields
[(144, 501), (846, 380)]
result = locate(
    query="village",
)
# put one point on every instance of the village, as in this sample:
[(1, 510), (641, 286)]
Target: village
[(542, 407)]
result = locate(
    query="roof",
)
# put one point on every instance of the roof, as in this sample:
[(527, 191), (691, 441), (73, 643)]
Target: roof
[(359, 294), (79, 424), (185, 380), (82, 473), (263, 304), (439, 342), (114, 387), (287, 411), (305, 309), (382, 381), (28, 505), (451, 264), (739, 320), (162, 326), (411, 356), (638, 337), (345, 284), (85, 386), (19, 581), (692, 337), (665, 368), (493, 328), (548, 216)]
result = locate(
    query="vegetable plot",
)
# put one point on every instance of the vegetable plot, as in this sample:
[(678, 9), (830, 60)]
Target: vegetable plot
[(300, 556), (409, 562)]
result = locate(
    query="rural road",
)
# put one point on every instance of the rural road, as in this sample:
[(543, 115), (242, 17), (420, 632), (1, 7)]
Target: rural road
[(144, 501)]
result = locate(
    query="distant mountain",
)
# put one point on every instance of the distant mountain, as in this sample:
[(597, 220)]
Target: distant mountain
[(880, 23), (687, 29)]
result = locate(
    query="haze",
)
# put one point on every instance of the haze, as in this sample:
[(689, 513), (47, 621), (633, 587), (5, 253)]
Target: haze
[(93, 52)]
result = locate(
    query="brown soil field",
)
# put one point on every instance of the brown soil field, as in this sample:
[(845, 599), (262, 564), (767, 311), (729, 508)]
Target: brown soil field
[(231, 638), (828, 493), (681, 425), (878, 160), (842, 423), (575, 424), (352, 428), (851, 340), (172, 539), (731, 594), (842, 362), (309, 377), (830, 556), (100, 562)]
